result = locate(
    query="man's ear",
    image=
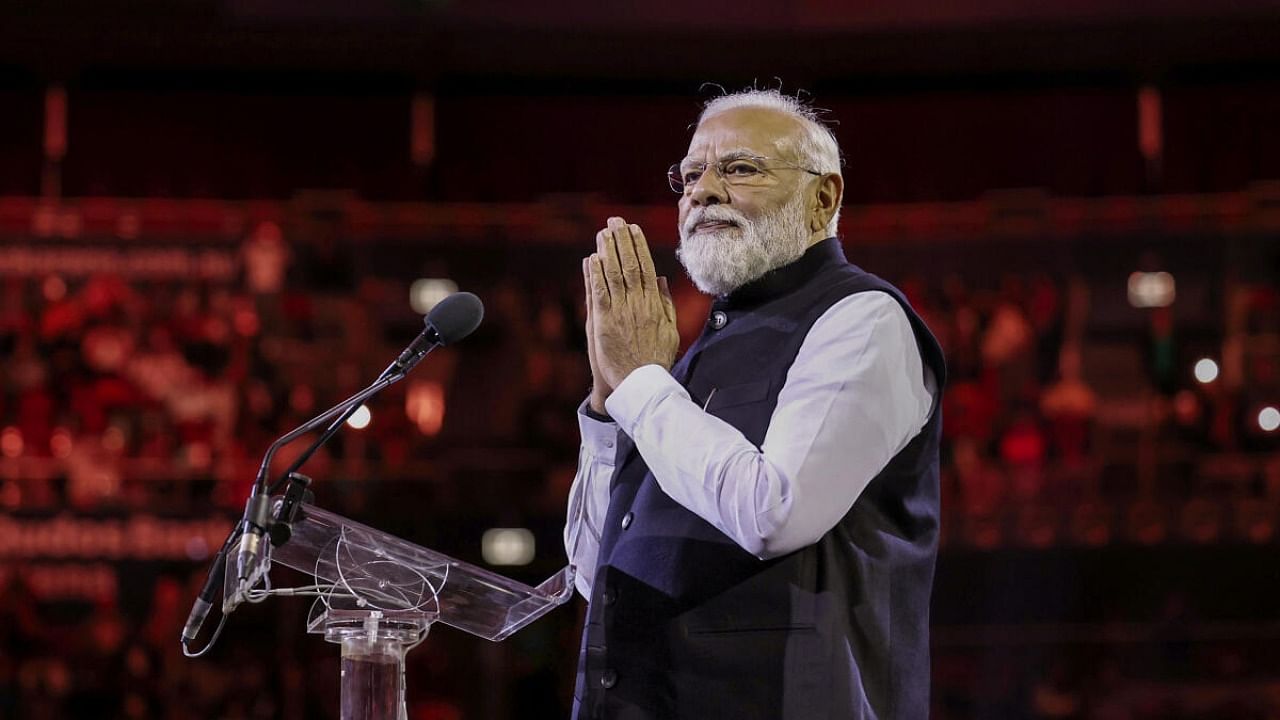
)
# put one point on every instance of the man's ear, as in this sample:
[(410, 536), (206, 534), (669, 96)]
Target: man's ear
[(826, 202)]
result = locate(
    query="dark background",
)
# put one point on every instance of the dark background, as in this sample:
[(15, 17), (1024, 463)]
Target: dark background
[(1109, 529)]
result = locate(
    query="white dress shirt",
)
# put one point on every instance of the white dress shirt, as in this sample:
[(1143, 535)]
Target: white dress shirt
[(856, 394)]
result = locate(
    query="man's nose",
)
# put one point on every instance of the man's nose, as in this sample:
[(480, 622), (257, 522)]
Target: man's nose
[(709, 189)]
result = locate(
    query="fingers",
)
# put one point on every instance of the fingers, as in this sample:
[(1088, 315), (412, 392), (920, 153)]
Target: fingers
[(668, 305), (610, 268), (628, 260), (599, 293), (590, 327), (623, 265), (586, 286), (648, 275)]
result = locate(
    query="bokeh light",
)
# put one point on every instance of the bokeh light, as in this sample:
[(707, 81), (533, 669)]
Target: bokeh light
[(1269, 418), (1206, 370), (360, 418)]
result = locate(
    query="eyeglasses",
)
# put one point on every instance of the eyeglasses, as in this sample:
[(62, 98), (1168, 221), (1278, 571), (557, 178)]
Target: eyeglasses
[(739, 170)]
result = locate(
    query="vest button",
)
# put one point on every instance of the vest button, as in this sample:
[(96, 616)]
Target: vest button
[(626, 520), (610, 596), (719, 319), (608, 679)]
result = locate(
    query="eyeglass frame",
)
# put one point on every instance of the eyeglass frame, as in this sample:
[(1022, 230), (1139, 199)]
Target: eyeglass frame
[(676, 174)]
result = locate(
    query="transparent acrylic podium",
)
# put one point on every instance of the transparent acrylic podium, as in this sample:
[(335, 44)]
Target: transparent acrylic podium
[(377, 595)]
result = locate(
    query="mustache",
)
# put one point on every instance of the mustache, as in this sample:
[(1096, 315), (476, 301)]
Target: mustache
[(714, 213)]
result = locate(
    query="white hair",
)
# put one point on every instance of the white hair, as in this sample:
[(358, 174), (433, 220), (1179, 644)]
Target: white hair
[(816, 148), (720, 261)]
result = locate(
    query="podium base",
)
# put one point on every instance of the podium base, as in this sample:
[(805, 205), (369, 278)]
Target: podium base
[(374, 644)]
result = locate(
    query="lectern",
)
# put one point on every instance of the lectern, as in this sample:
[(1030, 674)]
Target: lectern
[(377, 595)]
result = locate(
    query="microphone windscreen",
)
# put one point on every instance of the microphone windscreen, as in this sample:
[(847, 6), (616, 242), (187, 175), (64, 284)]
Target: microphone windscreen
[(456, 317)]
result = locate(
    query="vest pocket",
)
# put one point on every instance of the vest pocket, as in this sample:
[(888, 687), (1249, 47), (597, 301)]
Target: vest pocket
[(740, 394)]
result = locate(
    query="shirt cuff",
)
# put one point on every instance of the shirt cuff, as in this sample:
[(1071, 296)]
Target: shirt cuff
[(637, 393), (598, 417), (598, 437)]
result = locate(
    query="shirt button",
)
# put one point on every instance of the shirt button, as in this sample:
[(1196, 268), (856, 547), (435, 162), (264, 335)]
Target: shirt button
[(719, 319), (626, 520), (608, 679)]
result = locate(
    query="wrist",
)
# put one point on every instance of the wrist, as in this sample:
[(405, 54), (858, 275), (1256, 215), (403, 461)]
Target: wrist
[(601, 415), (596, 403), (623, 372), (639, 392)]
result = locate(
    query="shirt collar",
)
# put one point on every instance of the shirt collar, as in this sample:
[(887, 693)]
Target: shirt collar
[(782, 280)]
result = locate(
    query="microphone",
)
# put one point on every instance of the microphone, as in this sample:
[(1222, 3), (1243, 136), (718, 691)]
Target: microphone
[(204, 601), (249, 556), (451, 320)]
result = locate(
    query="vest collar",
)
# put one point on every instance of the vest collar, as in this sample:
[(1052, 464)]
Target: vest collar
[(780, 281)]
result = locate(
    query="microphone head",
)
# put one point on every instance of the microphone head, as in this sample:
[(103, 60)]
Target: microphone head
[(455, 317)]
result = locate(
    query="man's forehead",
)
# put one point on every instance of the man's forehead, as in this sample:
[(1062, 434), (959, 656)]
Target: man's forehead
[(762, 131)]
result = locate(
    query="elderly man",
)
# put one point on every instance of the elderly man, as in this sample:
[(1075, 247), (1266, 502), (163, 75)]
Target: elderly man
[(755, 526)]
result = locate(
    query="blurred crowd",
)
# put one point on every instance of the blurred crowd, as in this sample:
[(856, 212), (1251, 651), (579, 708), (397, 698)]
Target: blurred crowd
[(164, 394), (115, 388), (159, 396)]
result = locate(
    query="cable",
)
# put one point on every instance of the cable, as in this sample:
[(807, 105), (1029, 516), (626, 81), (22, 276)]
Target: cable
[(209, 646)]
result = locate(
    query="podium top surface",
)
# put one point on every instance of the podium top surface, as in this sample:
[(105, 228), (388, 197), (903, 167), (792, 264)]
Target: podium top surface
[(366, 568)]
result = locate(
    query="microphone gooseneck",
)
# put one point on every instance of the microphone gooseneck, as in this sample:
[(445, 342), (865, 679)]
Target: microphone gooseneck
[(451, 320)]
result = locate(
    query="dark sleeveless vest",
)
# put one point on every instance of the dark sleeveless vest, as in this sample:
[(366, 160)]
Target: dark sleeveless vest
[(683, 623)]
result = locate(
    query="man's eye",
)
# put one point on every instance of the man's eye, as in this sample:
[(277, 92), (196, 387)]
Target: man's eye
[(741, 168), (691, 176)]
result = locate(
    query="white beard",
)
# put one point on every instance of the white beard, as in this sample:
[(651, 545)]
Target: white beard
[(721, 261)]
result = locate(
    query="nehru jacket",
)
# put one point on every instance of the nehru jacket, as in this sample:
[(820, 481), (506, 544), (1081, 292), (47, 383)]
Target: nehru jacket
[(684, 623)]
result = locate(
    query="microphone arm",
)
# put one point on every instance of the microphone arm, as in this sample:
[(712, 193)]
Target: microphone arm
[(453, 319), (256, 511), (428, 340), (253, 525), (328, 433), (348, 405), (256, 522)]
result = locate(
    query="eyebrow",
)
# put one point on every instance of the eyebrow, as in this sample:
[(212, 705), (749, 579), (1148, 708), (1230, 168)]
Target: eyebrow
[(735, 154)]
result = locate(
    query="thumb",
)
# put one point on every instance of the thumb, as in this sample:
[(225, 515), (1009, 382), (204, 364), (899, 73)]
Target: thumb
[(590, 324)]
